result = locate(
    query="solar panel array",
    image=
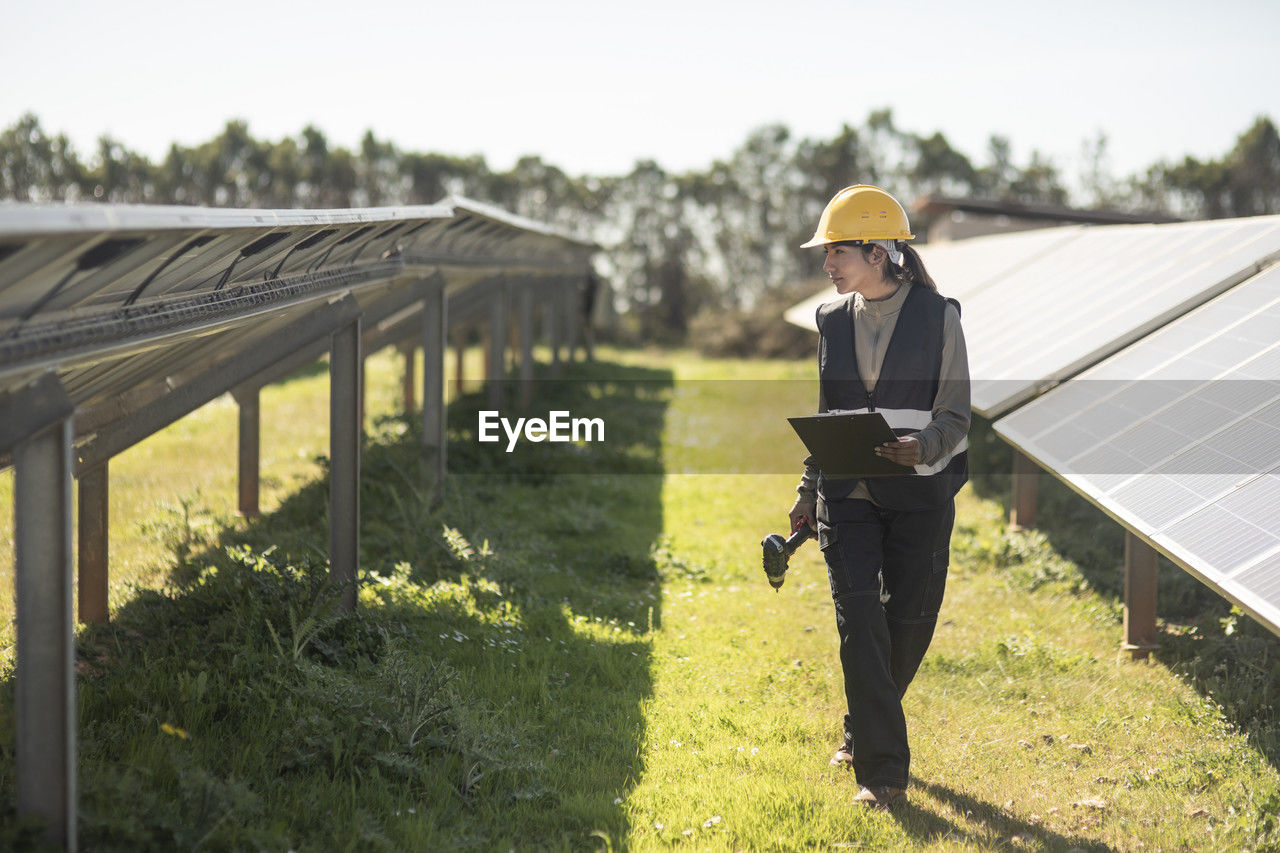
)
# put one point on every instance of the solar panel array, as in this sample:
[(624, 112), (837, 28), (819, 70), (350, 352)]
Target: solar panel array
[(123, 301), (1178, 437)]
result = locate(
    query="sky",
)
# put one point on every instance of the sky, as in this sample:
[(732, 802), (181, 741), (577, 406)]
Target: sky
[(595, 86)]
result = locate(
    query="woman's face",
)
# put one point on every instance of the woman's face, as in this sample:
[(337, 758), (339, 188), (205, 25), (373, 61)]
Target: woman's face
[(850, 272)]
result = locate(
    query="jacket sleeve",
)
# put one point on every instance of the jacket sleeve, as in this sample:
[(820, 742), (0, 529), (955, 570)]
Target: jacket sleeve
[(951, 411)]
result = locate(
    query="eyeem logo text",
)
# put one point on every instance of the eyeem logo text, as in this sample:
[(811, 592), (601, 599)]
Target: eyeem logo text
[(558, 426)]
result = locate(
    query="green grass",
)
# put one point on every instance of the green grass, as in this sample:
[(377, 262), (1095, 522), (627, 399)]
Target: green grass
[(546, 659)]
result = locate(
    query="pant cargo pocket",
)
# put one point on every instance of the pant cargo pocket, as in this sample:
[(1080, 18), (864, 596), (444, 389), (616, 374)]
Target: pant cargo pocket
[(936, 586)]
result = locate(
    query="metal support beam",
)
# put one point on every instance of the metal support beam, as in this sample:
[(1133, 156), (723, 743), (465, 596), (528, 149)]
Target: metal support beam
[(496, 366), (1140, 568), (32, 408), (587, 302), (345, 393), (154, 376), (93, 545), (249, 454), (403, 333), (44, 692), (360, 386), (572, 314), (1026, 477), (237, 369), (459, 353), (526, 344), (313, 352), (409, 382), (285, 367), (552, 320), (435, 329)]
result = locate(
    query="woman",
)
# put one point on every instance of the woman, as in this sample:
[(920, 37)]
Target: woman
[(892, 345)]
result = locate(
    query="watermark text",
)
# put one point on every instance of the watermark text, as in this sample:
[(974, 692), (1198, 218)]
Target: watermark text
[(559, 426)]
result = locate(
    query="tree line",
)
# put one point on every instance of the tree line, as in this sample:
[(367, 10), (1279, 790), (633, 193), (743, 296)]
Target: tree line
[(714, 241)]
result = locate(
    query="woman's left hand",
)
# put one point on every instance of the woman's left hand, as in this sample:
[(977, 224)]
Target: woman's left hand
[(904, 451)]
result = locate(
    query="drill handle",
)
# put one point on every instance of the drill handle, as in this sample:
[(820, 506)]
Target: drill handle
[(803, 533)]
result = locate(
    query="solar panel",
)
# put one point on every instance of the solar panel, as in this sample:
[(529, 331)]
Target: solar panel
[(123, 301), (965, 267), (1178, 437), (1088, 298)]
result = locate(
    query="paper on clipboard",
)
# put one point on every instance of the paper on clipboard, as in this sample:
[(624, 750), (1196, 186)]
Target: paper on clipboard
[(843, 444)]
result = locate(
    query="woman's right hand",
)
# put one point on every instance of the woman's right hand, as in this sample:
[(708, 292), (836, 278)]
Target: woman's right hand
[(806, 510)]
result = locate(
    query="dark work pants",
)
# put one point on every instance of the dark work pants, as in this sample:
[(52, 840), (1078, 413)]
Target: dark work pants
[(883, 642)]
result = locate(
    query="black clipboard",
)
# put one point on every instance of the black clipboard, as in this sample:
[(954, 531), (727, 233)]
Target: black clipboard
[(843, 444)]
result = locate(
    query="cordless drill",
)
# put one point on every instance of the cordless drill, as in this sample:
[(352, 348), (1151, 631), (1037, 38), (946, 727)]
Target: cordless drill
[(778, 551)]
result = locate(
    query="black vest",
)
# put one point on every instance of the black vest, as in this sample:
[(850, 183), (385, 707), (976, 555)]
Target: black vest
[(904, 394)]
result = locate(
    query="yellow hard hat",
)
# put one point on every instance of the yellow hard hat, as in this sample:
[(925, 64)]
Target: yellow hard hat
[(861, 212)]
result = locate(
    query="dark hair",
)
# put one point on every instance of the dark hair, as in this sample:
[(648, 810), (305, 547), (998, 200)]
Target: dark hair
[(912, 270)]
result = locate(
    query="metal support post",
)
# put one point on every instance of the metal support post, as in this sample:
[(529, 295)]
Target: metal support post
[(590, 296), (526, 343), (249, 454), (435, 329), (551, 317), (345, 368), (360, 386), (409, 386), (1140, 568), (37, 424), (93, 545), (572, 314), (495, 367), (459, 354), (1026, 476)]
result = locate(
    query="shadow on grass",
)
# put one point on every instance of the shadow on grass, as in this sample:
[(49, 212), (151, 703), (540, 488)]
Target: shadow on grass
[(487, 692), (998, 828), (1223, 653)]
